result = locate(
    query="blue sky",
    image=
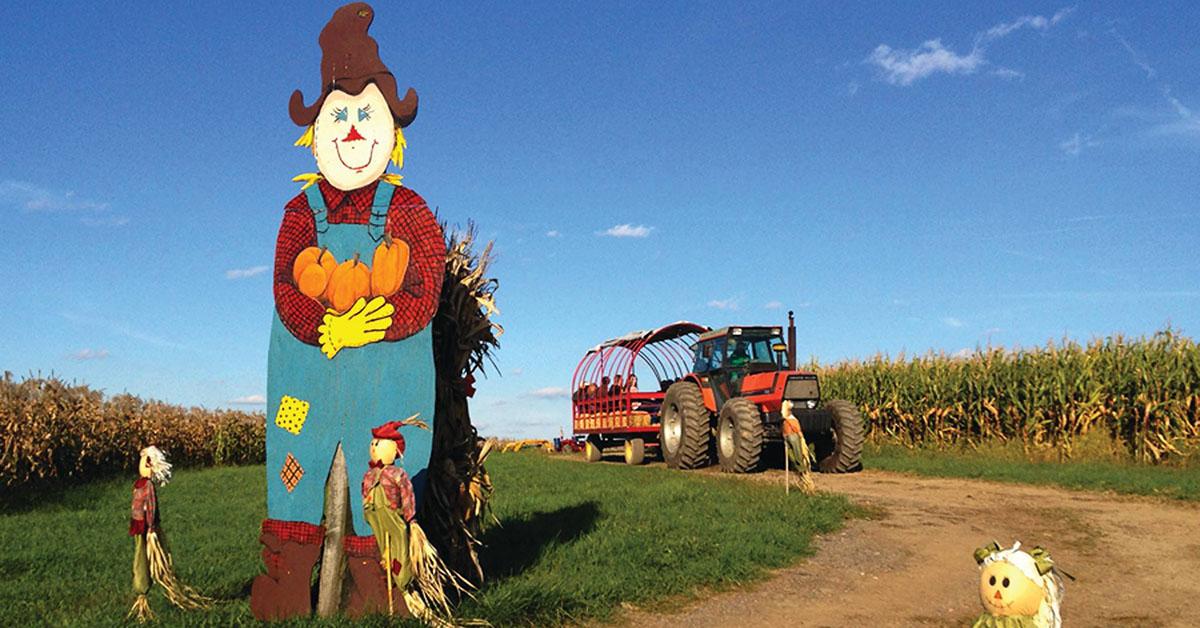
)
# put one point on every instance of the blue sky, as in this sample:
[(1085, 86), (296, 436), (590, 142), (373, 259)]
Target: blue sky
[(908, 177)]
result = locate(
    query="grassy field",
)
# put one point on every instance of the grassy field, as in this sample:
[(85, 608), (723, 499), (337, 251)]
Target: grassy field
[(1103, 473), (574, 542)]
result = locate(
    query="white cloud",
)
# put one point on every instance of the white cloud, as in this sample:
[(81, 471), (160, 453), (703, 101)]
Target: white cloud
[(553, 233), (517, 372), (963, 353), (724, 304), (550, 392), (905, 67), (242, 273), (773, 305), (1137, 58), (249, 400), (1076, 143), (31, 198), (89, 354), (950, 321), (1036, 22), (1008, 74), (626, 231), (1180, 110)]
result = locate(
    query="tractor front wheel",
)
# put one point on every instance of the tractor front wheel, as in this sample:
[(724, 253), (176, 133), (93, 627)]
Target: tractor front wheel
[(685, 434), (740, 436), (844, 454)]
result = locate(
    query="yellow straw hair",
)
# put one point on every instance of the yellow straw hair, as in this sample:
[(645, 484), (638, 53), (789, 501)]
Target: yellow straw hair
[(306, 140), (398, 151)]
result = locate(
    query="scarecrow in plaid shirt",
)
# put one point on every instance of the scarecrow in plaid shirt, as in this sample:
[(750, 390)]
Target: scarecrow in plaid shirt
[(151, 560), (333, 375)]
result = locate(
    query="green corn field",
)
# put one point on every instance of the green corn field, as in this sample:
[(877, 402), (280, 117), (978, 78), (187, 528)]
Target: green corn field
[(51, 431), (1143, 393)]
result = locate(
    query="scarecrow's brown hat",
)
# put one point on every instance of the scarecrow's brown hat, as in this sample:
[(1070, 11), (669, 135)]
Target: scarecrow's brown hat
[(350, 60)]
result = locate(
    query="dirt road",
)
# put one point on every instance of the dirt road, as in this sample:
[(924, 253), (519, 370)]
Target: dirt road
[(1137, 560)]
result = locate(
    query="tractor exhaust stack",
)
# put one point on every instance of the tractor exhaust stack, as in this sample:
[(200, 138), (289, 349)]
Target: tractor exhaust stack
[(791, 341)]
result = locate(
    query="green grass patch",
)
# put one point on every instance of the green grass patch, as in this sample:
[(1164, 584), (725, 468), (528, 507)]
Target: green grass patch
[(574, 542), (1004, 464)]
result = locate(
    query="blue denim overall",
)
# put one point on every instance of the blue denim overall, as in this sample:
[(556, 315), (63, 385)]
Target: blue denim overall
[(360, 388)]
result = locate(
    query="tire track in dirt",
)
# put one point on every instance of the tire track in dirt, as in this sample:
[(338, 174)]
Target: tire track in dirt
[(1137, 560)]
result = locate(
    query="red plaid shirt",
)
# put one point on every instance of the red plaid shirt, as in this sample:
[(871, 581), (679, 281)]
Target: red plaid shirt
[(408, 219), (396, 486), (141, 517)]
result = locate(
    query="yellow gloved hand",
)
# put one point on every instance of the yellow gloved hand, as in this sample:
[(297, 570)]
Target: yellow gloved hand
[(365, 322)]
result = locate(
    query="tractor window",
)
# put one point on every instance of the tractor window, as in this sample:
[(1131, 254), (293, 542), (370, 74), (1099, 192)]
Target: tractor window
[(748, 350), (709, 355), (703, 353), (718, 355)]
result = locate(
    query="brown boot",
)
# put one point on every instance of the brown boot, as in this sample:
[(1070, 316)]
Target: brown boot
[(369, 583), (290, 549)]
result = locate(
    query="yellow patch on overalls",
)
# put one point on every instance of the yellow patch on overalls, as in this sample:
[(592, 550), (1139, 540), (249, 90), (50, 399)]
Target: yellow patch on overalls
[(291, 415)]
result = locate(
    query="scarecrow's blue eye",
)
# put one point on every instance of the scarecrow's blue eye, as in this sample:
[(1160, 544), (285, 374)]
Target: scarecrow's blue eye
[(341, 114), (364, 113)]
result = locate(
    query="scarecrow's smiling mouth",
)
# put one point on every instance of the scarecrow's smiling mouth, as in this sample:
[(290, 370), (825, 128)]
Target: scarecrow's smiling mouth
[(370, 155)]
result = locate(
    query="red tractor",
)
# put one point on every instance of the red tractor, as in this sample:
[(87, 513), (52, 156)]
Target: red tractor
[(718, 395), (730, 403)]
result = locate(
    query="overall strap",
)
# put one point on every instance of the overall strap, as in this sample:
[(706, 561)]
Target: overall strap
[(379, 209), (317, 204)]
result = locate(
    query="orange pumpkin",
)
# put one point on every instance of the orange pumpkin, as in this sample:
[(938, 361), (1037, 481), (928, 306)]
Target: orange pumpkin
[(388, 267), (312, 270), (350, 282)]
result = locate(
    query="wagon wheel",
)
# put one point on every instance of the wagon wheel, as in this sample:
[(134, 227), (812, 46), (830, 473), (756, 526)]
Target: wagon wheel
[(685, 434), (591, 449), (635, 451)]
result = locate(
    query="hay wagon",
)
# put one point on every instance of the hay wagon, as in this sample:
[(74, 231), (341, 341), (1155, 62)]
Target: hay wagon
[(609, 408)]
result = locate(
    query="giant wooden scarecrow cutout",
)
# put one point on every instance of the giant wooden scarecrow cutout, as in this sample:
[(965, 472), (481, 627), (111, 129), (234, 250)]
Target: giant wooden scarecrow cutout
[(350, 343)]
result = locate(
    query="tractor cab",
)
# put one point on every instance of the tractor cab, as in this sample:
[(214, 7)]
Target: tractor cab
[(724, 357)]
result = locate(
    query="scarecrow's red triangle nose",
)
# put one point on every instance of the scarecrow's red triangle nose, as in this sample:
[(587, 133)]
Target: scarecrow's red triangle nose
[(352, 135), (997, 596)]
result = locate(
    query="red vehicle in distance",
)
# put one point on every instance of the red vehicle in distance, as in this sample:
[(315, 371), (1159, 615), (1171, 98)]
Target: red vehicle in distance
[(712, 395)]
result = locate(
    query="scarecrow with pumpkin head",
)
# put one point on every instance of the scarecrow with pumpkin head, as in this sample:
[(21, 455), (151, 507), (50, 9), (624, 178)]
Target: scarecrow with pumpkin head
[(350, 342)]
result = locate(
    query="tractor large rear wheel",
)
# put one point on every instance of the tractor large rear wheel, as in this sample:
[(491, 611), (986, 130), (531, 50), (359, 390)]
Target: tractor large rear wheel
[(845, 456), (685, 433), (740, 436)]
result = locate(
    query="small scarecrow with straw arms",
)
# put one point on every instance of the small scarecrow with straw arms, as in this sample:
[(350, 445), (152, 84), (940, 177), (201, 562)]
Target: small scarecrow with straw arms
[(797, 450), (151, 559), (389, 508)]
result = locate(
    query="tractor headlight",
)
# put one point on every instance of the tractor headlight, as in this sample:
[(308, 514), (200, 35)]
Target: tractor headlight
[(811, 403)]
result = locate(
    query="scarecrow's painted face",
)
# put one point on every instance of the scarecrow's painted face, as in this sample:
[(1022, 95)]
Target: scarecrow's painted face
[(383, 450), (353, 137), (1006, 591), (144, 468)]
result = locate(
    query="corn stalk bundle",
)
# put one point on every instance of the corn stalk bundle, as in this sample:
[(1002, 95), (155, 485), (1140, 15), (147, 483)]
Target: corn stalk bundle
[(1143, 393), (464, 336)]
